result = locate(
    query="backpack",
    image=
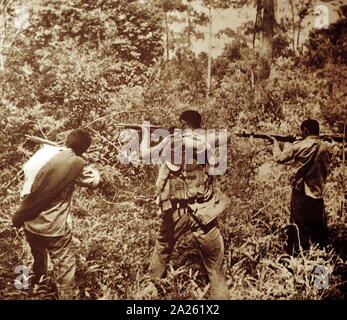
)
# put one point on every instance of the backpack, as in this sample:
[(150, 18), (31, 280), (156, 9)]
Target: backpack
[(189, 182), (186, 161)]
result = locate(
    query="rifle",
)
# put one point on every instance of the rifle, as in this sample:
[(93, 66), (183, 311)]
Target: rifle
[(41, 140), (291, 138), (137, 126), (119, 125)]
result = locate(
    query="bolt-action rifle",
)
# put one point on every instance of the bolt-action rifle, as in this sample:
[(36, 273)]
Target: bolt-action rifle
[(291, 138)]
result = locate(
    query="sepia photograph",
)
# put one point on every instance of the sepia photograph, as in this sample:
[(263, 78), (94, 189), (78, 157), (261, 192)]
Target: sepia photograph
[(173, 150)]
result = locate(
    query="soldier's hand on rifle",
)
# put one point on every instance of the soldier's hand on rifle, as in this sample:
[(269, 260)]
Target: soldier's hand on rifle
[(276, 146)]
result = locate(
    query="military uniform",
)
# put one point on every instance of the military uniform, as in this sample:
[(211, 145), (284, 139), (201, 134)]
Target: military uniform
[(190, 202)]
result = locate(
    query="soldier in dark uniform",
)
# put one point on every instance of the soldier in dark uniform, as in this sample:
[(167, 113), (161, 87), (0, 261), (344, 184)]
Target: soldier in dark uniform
[(308, 216)]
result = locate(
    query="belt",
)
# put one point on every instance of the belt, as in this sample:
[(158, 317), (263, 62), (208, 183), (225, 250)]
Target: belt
[(199, 199), (183, 204), (195, 200)]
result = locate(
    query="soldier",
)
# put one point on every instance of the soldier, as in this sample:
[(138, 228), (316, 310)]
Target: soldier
[(308, 218), (189, 200), (50, 178)]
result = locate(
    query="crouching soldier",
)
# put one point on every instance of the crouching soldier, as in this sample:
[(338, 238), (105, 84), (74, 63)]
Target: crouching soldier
[(50, 178)]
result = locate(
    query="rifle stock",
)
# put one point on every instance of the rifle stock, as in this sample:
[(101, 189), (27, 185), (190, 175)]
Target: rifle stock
[(291, 138)]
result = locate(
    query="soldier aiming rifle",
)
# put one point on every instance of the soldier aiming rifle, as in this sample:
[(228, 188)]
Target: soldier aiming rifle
[(313, 152), (307, 214), (188, 201)]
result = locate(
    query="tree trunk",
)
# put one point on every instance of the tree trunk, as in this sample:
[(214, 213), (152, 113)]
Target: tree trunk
[(267, 39), (293, 23), (209, 65), (2, 44), (189, 25), (256, 22), (256, 25), (167, 37), (298, 38)]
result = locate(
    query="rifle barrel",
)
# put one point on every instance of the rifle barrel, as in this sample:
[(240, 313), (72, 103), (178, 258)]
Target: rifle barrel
[(41, 140), (291, 138), (288, 138), (136, 126), (336, 137)]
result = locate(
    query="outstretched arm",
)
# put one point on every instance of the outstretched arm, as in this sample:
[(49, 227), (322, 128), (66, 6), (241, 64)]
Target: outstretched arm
[(146, 150), (282, 156)]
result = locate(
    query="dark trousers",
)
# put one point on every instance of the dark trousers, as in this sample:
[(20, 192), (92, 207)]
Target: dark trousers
[(308, 223), (63, 259)]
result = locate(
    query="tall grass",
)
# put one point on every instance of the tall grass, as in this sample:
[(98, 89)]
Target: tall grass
[(114, 239)]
